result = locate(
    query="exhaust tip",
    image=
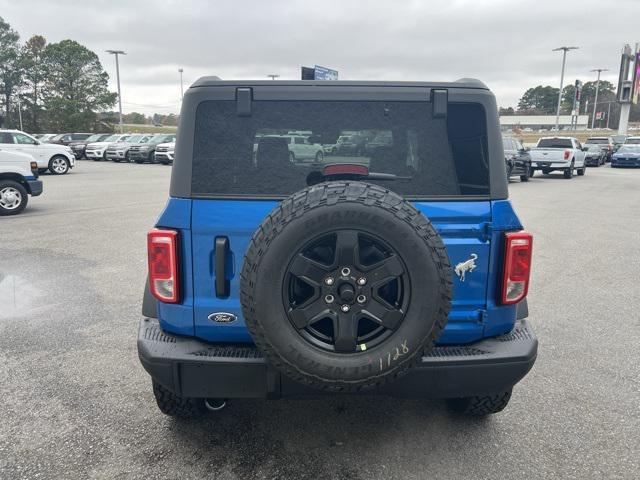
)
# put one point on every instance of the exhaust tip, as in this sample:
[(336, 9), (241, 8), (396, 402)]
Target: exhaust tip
[(215, 404)]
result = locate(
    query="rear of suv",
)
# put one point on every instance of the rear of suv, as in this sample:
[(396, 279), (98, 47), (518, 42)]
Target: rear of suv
[(398, 270)]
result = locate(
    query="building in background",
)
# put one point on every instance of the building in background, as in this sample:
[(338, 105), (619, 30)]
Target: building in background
[(541, 122)]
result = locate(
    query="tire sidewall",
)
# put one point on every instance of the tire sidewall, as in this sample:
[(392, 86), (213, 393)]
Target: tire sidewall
[(66, 161), (412, 336), (23, 193)]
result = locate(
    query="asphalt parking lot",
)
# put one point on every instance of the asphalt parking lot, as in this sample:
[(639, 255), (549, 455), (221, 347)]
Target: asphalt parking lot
[(75, 402)]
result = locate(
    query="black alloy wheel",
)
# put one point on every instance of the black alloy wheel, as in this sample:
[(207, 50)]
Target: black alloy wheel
[(346, 291)]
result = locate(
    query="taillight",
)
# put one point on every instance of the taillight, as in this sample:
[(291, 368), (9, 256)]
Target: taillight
[(34, 169), (517, 266), (162, 250), (567, 154)]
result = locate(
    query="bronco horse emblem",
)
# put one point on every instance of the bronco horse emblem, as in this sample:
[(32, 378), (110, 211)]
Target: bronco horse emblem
[(467, 266)]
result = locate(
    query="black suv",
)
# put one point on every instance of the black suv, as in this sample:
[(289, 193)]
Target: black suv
[(146, 152), (517, 159)]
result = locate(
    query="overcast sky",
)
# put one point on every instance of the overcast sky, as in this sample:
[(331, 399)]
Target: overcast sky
[(507, 44)]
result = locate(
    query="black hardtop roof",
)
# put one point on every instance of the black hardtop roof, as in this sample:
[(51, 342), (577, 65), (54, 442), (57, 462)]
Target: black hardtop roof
[(211, 88), (213, 81)]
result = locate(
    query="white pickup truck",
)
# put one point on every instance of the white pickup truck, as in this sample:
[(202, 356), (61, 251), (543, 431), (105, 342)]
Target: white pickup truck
[(18, 180), (558, 153)]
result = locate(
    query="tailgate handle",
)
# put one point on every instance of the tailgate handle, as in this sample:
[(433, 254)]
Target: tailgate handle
[(221, 253)]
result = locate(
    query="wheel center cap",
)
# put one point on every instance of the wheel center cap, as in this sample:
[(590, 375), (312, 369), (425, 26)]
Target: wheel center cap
[(347, 293)]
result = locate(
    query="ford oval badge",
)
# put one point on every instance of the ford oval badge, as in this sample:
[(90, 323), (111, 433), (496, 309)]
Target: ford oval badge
[(222, 317)]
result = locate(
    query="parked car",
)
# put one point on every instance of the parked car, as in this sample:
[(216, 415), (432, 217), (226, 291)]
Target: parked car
[(382, 140), (97, 150), (55, 138), (18, 180), (607, 143), (58, 159), (594, 155), (274, 279), (353, 145), (119, 151), (67, 138), (628, 155), (558, 153), (164, 153), (618, 140), (80, 146), (301, 149), (517, 159), (146, 151), (46, 137), (632, 141)]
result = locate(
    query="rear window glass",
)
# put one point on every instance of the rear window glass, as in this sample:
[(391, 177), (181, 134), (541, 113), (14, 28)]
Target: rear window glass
[(285, 145), (597, 141), (555, 143)]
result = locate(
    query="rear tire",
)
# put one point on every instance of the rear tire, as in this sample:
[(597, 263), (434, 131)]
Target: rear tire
[(480, 406), (180, 407), (568, 172), (582, 171), (525, 177), (341, 213)]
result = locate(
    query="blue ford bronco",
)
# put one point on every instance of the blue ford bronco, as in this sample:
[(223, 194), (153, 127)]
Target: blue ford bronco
[(283, 266)]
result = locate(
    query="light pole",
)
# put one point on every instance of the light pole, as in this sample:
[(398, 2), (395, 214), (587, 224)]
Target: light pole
[(595, 102), (273, 76), (19, 110), (564, 59), (116, 53), (181, 87)]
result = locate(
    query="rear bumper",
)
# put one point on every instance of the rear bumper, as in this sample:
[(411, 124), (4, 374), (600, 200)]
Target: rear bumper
[(536, 165), (192, 368)]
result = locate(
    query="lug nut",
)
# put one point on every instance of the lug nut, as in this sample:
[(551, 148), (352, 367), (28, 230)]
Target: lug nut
[(361, 299), (328, 281), (346, 271), (329, 299), (362, 281), (344, 308)]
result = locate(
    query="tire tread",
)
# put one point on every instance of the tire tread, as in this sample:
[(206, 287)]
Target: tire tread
[(180, 407), (329, 194)]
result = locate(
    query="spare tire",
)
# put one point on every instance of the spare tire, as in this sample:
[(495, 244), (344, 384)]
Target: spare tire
[(345, 285)]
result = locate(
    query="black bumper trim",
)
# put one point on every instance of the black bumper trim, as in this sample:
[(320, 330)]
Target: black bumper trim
[(35, 187), (193, 368)]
